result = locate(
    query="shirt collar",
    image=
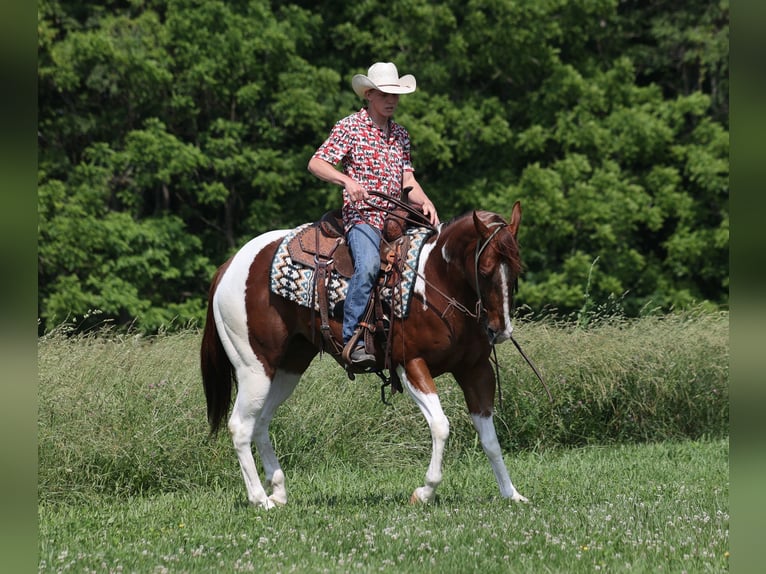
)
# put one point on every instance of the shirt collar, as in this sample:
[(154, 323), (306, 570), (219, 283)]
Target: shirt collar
[(369, 121)]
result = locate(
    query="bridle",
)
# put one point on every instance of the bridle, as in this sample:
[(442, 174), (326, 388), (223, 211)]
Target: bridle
[(499, 225), (479, 311), (416, 217)]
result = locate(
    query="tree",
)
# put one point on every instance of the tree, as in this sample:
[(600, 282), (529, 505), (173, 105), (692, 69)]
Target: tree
[(171, 131)]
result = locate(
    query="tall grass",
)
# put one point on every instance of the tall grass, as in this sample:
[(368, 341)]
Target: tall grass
[(125, 415), (653, 379)]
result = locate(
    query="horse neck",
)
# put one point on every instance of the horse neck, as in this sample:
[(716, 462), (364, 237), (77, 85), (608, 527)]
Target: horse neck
[(455, 251)]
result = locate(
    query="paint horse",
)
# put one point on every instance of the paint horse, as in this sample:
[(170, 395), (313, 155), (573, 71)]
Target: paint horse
[(462, 303)]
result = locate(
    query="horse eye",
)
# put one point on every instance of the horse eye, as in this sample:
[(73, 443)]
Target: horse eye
[(487, 268)]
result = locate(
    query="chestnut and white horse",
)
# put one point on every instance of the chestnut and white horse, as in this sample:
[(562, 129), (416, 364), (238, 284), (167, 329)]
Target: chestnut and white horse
[(462, 303)]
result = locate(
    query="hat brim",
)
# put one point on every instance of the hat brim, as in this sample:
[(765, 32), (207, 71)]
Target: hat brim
[(405, 85)]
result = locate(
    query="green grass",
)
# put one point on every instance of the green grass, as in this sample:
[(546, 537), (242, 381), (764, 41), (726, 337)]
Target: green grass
[(639, 508), (626, 469)]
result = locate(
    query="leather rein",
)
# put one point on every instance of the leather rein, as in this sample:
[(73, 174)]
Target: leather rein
[(417, 218)]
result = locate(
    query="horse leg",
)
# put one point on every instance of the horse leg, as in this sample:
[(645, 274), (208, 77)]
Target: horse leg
[(485, 426), (479, 390), (252, 395), (282, 386), (420, 386)]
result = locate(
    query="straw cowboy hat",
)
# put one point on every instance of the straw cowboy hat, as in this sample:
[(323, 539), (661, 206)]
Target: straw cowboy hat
[(383, 76)]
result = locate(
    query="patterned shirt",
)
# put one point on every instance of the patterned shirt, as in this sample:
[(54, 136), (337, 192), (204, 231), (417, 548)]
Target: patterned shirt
[(370, 160)]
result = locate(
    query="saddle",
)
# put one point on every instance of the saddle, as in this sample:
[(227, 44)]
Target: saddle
[(323, 243), (322, 246)]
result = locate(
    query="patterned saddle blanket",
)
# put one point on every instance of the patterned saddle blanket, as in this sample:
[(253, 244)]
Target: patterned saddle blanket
[(295, 281)]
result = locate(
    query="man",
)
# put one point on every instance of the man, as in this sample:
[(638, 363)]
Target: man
[(374, 153)]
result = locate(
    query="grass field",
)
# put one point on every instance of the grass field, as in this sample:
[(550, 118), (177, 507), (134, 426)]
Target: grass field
[(647, 508), (627, 471)]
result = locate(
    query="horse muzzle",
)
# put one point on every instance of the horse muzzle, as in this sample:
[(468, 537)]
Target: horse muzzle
[(497, 337)]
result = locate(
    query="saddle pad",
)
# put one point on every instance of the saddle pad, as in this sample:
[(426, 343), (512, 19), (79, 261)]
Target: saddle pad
[(295, 282)]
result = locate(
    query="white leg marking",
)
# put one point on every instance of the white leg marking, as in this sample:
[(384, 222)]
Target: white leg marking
[(431, 407), (253, 383), (282, 387), (485, 426), (253, 390)]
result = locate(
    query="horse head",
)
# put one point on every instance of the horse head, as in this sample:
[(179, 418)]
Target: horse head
[(497, 266)]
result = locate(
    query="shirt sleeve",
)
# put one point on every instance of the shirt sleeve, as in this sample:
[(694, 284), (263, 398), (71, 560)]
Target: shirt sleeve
[(406, 151), (338, 144)]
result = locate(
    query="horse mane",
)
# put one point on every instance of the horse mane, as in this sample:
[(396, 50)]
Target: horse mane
[(504, 243)]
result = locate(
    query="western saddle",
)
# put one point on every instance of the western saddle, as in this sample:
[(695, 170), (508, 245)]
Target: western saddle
[(322, 246)]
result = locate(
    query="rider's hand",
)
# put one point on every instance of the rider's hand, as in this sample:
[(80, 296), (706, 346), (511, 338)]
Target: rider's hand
[(355, 191), (429, 211)]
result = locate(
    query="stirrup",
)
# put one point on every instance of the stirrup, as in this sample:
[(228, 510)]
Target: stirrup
[(368, 360)]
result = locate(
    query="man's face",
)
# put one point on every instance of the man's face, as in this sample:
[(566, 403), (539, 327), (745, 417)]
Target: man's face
[(383, 104)]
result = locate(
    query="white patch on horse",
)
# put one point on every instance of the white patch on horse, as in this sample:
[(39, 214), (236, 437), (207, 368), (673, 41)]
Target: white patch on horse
[(488, 438), (254, 405), (506, 288), (445, 253), (420, 284), (229, 298), (431, 407)]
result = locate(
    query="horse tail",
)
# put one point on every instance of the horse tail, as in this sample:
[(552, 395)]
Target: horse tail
[(217, 370)]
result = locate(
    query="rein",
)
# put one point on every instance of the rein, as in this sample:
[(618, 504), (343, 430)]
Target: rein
[(418, 219), (532, 366)]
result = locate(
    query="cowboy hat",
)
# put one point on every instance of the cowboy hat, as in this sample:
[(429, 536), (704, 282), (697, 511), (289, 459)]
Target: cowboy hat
[(383, 76)]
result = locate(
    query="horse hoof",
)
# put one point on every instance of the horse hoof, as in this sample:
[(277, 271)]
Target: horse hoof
[(278, 501), (519, 498), (266, 504), (421, 496)]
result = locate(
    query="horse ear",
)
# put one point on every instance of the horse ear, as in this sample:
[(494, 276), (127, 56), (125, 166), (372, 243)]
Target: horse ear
[(481, 227), (515, 218)]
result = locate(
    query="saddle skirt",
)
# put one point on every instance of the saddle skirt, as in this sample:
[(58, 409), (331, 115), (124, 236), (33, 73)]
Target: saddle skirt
[(293, 268)]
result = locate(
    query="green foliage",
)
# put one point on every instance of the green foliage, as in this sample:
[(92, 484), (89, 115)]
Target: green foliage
[(684, 48), (107, 261), (125, 414), (171, 131)]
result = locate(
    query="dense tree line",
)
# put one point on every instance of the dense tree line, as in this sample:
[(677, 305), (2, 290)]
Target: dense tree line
[(171, 131)]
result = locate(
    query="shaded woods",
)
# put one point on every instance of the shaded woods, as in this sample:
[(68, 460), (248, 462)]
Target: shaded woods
[(171, 131)]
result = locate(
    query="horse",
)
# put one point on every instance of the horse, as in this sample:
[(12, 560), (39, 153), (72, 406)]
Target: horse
[(462, 303)]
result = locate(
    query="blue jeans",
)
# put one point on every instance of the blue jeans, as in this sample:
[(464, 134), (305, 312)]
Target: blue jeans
[(364, 241)]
